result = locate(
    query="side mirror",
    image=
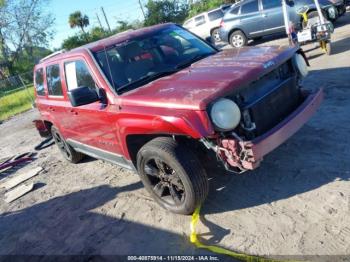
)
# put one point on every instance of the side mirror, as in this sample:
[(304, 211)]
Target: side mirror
[(82, 96), (102, 96)]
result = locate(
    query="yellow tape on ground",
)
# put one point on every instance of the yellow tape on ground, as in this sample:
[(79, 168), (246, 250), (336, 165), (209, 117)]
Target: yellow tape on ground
[(220, 250)]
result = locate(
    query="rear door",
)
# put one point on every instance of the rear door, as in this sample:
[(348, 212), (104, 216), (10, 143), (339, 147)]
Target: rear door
[(56, 100), (272, 11), (251, 19)]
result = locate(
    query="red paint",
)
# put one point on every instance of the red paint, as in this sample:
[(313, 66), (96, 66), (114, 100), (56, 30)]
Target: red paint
[(175, 104)]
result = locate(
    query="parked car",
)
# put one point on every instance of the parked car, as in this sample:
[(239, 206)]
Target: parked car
[(206, 25), (253, 19), (159, 100), (340, 5)]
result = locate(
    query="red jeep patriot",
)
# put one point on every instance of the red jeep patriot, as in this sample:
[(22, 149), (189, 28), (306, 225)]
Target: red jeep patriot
[(150, 99)]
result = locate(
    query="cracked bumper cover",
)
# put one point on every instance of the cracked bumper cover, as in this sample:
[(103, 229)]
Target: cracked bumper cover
[(248, 154)]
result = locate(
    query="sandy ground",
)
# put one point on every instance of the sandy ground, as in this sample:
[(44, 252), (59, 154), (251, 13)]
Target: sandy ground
[(296, 204)]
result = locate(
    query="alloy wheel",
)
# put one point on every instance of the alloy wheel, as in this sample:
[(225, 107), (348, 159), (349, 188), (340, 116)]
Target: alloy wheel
[(237, 41), (165, 182)]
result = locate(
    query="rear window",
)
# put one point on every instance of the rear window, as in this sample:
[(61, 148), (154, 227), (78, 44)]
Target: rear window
[(200, 20), (215, 15), (250, 7), (54, 80), (188, 23), (39, 82)]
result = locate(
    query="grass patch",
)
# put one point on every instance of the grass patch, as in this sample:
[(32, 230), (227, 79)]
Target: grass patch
[(15, 103)]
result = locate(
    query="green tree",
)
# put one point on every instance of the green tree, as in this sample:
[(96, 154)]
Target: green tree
[(97, 33), (77, 19), (29, 57), (73, 42), (24, 24), (162, 11)]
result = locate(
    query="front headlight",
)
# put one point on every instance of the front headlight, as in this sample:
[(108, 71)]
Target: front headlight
[(225, 114), (300, 63)]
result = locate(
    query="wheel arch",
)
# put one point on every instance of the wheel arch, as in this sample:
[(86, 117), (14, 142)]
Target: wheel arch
[(234, 30), (135, 142), (214, 28)]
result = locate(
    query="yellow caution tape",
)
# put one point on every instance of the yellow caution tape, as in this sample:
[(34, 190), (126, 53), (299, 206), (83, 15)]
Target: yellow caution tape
[(220, 250)]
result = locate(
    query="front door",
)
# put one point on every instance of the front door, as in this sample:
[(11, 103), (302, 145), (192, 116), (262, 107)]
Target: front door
[(273, 13), (93, 128), (251, 19)]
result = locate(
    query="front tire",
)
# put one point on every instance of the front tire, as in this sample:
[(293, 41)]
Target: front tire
[(67, 151), (238, 39), (172, 175)]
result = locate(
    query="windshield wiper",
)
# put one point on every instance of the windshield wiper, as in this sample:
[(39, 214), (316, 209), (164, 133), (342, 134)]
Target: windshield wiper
[(147, 78), (193, 60)]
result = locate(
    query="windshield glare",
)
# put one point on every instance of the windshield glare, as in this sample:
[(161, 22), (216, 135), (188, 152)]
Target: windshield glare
[(129, 63)]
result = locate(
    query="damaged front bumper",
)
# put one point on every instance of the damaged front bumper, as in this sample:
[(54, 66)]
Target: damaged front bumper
[(238, 155)]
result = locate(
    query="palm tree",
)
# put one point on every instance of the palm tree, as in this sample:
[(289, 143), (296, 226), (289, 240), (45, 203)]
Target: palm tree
[(77, 19)]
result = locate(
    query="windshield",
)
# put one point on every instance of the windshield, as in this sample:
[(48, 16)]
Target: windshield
[(135, 62)]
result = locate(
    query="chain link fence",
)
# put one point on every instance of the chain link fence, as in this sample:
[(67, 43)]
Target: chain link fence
[(16, 94)]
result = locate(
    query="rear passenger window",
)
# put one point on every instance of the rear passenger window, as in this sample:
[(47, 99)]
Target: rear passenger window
[(250, 7), (200, 20), (268, 4), (78, 75), (54, 80), (235, 10), (39, 82), (215, 15)]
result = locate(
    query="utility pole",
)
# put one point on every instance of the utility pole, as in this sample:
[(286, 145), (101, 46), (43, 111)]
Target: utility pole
[(104, 14), (143, 11), (99, 21), (286, 21)]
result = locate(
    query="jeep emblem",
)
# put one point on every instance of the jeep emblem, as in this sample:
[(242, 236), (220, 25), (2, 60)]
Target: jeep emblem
[(268, 64)]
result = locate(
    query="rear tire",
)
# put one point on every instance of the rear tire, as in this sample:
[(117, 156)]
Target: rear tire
[(172, 175), (238, 39), (215, 36), (67, 151)]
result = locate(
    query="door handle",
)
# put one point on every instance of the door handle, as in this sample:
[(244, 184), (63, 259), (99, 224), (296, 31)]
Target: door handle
[(73, 112)]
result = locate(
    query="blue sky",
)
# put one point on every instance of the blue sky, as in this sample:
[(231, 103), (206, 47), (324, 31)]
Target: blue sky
[(127, 10)]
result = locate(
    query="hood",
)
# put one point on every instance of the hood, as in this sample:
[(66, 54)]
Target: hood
[(208, 79)]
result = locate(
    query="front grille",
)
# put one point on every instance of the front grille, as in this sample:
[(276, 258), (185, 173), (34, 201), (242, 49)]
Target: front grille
[(275, 106), (269, 100)]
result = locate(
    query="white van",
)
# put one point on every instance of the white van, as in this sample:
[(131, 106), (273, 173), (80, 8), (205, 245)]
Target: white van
[(207, 24)]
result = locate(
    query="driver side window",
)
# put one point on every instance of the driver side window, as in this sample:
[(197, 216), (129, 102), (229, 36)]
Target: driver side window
[(78, 75)]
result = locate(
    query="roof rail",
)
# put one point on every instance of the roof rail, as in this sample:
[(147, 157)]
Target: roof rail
[(53, 54)]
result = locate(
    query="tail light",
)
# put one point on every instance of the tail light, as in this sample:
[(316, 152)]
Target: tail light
[(222, 23)]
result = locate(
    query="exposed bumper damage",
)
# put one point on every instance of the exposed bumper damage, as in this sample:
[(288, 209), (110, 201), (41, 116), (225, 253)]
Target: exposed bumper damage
[(42, 128), (241, 155)]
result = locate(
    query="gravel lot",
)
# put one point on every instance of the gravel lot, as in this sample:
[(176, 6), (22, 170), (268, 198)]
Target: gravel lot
[(296, 204)]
